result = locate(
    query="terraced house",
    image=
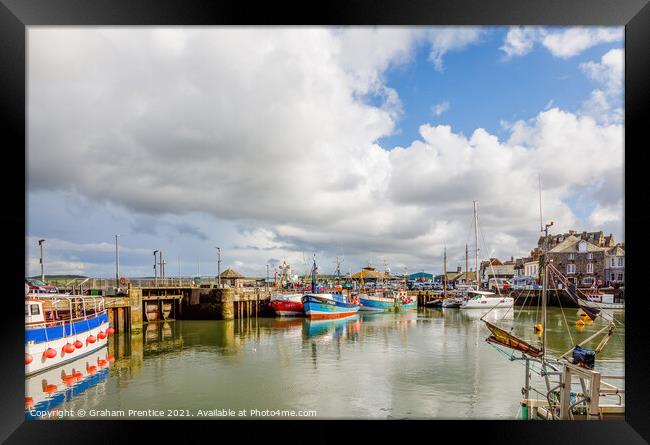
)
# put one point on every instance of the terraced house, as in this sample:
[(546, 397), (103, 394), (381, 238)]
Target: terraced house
[(580, 260)]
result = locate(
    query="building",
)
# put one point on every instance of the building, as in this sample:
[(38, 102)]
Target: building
[(456, 277), (232, 278), (421, 276), (531, 268), (493, 268), (581, 261), (369, 274), (598, 239), (615, 266)]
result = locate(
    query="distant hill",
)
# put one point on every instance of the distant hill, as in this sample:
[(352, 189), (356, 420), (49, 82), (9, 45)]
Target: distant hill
[(58, 277)]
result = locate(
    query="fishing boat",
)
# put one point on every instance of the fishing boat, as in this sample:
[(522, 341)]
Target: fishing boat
[(570, 385), (386, 300), (60, 328), (600, 300), (452, 303), (287, 304), (328, 305)]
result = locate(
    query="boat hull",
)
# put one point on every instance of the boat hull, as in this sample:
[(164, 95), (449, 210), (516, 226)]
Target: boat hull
[(369, 304), (319, 308), (488, 303), (65, 335), (287, 308)]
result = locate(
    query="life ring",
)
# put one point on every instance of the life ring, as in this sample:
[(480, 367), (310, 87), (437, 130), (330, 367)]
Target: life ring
[(123, 280)]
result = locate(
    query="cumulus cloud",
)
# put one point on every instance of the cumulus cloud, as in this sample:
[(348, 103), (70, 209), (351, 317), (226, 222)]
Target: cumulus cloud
[(275, 132), (605, 104), (562, 43)]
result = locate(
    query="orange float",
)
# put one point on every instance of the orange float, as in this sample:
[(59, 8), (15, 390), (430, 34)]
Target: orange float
[(101, 335), (78, 344), (28, 358), (110, 331), (91, 339), (68, 348), (49, 353)]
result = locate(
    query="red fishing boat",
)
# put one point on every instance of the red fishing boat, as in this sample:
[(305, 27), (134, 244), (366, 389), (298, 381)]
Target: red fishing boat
[(287, 304)]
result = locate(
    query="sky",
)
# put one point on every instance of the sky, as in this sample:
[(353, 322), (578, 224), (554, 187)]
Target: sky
[(367, 143)]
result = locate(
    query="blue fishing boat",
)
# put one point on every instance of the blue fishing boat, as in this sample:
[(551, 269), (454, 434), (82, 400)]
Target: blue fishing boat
[(392, 301), (328, 305)]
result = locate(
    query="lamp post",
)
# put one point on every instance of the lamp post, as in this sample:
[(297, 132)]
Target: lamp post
[(40, 243), (155, 269), (117, 263), (218, 267)]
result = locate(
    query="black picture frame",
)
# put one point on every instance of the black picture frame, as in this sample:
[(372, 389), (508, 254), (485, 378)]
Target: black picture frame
[(16, 15)]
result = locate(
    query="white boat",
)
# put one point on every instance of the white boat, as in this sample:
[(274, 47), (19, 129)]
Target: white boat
[(602, 301), (477, 299), (60, 328), (52, 387)]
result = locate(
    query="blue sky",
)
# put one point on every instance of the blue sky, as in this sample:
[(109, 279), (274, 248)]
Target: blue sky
[(483, 90), (280, 143)]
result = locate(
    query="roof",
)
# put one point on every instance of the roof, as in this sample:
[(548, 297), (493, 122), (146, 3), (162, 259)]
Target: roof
[(570, 245), (415, 276), (616, 251), (504, 269), (369, 272), (229, 273)]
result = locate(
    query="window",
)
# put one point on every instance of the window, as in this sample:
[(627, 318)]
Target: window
[(613, 262), (589, 281), (572, 256), (590, 256), (620, 261), (34, 309), (570, 268), (590, 268), (613, 277), (620, 277)]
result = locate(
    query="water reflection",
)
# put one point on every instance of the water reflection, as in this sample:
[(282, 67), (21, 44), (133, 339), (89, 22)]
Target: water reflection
[(430, 363)]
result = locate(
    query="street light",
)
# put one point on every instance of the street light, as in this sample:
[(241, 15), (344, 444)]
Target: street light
[(117, 263), (219, 267), (40, 243), (155, 270)]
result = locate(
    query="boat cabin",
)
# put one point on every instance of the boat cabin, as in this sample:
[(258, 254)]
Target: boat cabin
[(34, 311)]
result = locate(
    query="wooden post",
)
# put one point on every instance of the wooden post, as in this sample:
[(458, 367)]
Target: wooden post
[(594, 395), (565, 394)]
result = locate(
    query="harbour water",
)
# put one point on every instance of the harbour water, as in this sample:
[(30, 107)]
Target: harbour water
[(424, 364)]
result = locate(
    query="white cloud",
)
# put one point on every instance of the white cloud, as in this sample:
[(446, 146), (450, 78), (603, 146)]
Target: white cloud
[(520, 40), (440, 108), (271, 130), (609, 72), (605, 104), (571, 42), (444, 39), (562, 43)]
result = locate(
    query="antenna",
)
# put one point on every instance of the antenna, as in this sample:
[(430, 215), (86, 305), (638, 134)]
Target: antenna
[(541, 224)]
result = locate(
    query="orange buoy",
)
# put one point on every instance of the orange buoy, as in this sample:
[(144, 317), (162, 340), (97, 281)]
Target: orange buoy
[(110, 331), (68, 348), (77, 375), (50, 388), (580, 323), (28, 358), (91, 339), (69, 379), (538, 327), (101, 362), (111, 359), (101, 335), (78, 344), (29, 402), (91, 369), (49, 353)]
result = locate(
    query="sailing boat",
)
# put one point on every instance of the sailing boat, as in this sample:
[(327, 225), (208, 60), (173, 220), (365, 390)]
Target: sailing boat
[(560, 401), (477, 299)]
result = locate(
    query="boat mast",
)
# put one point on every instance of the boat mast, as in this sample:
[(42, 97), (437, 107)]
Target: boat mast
[(466, 266), (444, 273), (313, 275), (478, 276)]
